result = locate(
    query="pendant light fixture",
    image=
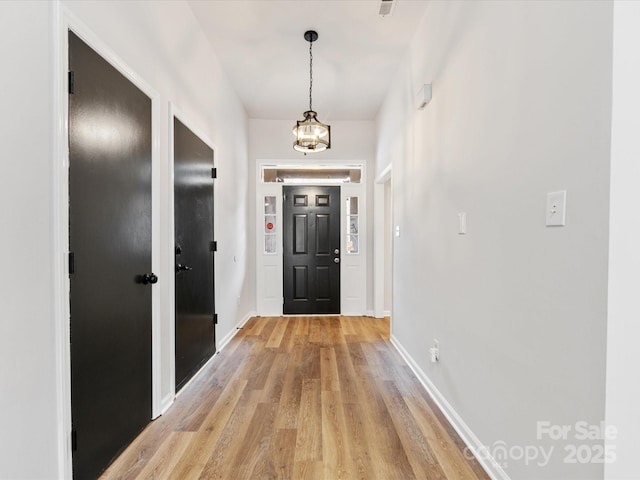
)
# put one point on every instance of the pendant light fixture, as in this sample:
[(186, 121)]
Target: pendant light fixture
[(311, 134)]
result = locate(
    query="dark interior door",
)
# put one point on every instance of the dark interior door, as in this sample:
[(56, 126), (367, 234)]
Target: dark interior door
[(311, 249), (195, 305), (110, 263)]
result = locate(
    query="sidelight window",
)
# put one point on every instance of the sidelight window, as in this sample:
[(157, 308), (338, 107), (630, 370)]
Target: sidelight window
[(270, 243), (353, 225)]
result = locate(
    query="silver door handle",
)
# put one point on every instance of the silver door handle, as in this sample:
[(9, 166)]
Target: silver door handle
[(336, 260), (336, 251)]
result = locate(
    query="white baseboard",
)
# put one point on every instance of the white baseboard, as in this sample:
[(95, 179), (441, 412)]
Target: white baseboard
[(493, 469), (227, 338), (387, 313)]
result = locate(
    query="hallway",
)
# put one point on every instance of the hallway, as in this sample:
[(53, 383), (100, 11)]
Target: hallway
[(301, 398)]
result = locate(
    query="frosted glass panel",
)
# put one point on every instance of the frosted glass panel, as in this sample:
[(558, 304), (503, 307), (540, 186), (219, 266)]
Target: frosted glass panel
[(270, 244), (270, 205), (270, 224), (352, 244), (270, 236), (352, 206), (353, 225)]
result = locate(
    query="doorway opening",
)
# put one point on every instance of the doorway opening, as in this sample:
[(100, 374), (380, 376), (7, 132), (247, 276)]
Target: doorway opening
[(194, 247), (383, 243), (311, 255), (311, 250), (110, 259)]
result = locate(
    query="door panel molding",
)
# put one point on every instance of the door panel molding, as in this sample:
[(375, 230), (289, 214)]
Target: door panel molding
[(323, 235), (300, 234), (300, 282), (323, 292)]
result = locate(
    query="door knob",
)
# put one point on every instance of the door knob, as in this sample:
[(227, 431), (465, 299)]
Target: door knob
[(149, 278), (182, 268), (336, 260), (336, 251)]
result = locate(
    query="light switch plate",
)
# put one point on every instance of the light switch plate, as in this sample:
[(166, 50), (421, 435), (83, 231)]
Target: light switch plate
[(462, 223), (556, 208)]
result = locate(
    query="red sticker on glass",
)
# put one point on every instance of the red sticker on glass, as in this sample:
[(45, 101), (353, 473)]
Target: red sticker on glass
[(269, 226)]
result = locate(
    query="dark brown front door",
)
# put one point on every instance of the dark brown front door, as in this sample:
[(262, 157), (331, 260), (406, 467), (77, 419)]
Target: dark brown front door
[(110, 263), (311, 249), (193, 210)]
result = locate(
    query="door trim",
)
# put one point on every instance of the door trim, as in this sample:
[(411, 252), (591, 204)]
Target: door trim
[(274, 306), (379, 233), (63, 20), (175, 111)]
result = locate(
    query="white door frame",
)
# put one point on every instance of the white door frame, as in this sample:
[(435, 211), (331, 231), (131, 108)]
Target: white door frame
[(170, 261), (269, 267), (379, 233), (64, 21)]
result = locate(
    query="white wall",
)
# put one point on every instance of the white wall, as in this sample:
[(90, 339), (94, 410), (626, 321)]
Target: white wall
[(27, 357), (351, 141), (172, 54), (623, 355), (161, 42), (521, 107)]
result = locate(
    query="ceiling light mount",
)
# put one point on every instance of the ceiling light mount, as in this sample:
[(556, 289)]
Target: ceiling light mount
[(311, 134), (311, 36)]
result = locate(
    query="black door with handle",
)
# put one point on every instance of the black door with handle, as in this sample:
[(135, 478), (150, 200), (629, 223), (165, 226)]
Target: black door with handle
[(311, 227), (194, 258), (110, 260)]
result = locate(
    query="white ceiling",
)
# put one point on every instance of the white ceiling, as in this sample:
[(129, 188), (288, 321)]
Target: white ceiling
[(262, 49)]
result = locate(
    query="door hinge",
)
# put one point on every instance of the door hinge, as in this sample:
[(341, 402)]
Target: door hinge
[(72, 82), (72, 263), (74, 440), (213, 246), (214, 173), (215, 318)]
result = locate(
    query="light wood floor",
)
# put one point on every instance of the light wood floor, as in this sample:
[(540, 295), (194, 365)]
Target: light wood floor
[(301, 398)]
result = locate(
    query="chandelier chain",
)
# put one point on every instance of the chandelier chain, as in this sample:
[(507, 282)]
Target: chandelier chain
[(310, 73)]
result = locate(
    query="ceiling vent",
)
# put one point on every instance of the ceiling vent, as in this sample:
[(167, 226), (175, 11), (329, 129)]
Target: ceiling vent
[(386, 7)]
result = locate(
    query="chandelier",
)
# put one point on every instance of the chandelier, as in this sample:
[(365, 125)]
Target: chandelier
[(311, 134)]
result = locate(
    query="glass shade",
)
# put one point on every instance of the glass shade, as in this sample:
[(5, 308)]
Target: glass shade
[(311, 134)]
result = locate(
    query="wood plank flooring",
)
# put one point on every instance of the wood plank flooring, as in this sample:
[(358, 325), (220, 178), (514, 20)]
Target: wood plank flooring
[(301, 398)]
